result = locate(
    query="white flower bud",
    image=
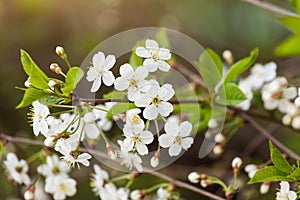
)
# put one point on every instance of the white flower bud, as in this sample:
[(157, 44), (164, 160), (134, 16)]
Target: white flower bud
[(296, 122), (236, 162), (49, 141), (55, 68), (111, 152), (60, 52), (136, 195), (264, 187), (203, 183), (89, 117), (287, 119), (212, 123), (251, 169), (27, 83), (194, 177), (219, 138), (51, 84), (154, 161), (28, 195), (218, 150), (227, 56)]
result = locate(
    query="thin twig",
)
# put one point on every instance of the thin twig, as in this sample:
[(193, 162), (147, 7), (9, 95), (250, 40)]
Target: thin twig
[(177, 183), (271, 7), (264, 132)]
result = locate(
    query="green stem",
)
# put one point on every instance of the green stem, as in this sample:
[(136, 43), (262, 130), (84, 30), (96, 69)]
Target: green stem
[(33, 157), (155, 187), (102, 134), (130, 182), (158, 134), (68, 63), (123, 177), (218, 181), (63, 106)]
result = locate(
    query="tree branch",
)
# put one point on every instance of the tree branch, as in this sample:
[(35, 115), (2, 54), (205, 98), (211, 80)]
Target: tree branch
[(272, 8), (177, 183)]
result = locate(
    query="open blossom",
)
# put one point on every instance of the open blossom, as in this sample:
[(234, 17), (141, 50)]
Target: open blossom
[(155, 57), (277, 94), (176, 137), (129, 159), (245, 87), (261, 74), (285, 193), (164, 194), (98, 179), (137, 139), (81, 158), (40, 112), (61, 186), (100, 71), (133, 120), (131, 80), (110, 192), (101, 119), (292, 116), (155, 100), (17, 169), (53, 166), (90, 127), (251, 169)]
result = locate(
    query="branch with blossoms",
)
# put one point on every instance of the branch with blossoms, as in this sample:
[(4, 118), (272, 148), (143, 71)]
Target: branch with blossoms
[(158, 121)]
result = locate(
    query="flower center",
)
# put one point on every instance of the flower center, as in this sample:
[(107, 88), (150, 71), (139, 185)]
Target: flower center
[(132, 82), (154, 55), (135, 119), (19, 169), (178, 139), (62, 187), (55, 170), (100, 71), (156, 100), (277, 95), (135, 138)]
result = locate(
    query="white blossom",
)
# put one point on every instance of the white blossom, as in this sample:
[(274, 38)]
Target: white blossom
[(155, 100), (137, 139), (264, 187), (81, 158), (194, 177), (236, 162), (98, 179), (261, 74), (133, 120), (40, 112), (136, 195), (164, 194), (17, 169), (101, 116), (90, 128), (61, 186), (176, 137), (131, 80), (110, 192), (251, 169), (53, 166), (100, 71), (245, 87), (285, 193), (155, 57)]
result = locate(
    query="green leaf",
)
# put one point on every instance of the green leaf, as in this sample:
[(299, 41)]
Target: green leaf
[(269, 173), (136, 61), (289, 47), (119, 108), (296, 4), (292, 23), (114, 95), (295, 174), (31, 95), (232, 95), (38, 78), (73, 77), (217, 60), (209, 70), (242, 65), (278, 160), (50, 100), (162, 38)]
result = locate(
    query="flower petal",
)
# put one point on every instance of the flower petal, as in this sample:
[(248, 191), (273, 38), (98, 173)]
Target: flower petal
[(163, 66), (128, 145), (166, 92), (187, 142), (141, 148), (142, 52), (165, 108), (91, 131), (151, 44), (142, 101), (150, 65), (146, 137), (164, 54), (140, 73), (98, 59), (96, 84), (185, 129), (172, 128), (108, 78), (165, 140), (150, 112), (175, 150), (121, 84), (126, 70), (109, 62)]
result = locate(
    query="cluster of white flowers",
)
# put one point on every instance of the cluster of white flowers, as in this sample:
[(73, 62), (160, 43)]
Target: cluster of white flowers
[(285, 193)]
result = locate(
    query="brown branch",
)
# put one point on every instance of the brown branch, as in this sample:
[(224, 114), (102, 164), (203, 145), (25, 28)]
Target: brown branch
[(177, 183), (272, 8), (265, 133)]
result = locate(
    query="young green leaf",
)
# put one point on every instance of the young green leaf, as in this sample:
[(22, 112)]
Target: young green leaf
[(241, 66), (73, 77), (278, 160), (231, 95), (289, 47), (31, 95), (217, 60), (119, 108), (209, 69), (114, 95), (50, 100), (295, 174), (269, 173), (292, 23)]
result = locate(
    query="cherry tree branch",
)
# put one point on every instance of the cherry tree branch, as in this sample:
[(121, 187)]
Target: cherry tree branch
[(177, 183), (271, 7)]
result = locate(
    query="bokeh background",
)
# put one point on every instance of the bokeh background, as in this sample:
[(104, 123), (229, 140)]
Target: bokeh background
[(38, 26)]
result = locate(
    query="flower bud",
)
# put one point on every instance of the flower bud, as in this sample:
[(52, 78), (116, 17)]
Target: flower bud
[(137, 194), (49, 141), (219, 138), (218, 149), (296, 123), (194, 177), (264, 187), (29, 193), (27, 83), (212, 123), (89, 117), (60, 52), (286, 120), (205, 183), (236, 164), (55, 68), (227, 56), (111, 152), (154, 161)]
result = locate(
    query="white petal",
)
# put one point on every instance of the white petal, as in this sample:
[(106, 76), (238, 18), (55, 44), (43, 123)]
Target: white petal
[(165, 108), (126, 70), (284, 186), (151, 44), (121, 84), (270, 71), (108, 78), (166, 92), (92, 74), (187, 142), (98, 59), (290, 93), (150, 112), (140, 73), (172, 128), (128, 145), (284, 105), (163, 66), (165, 140), (141, 148), (185, 129), (164, 54), (146, 137), (109, 62), (43, 127), (150, 65), (142, 52), (271, 104), (142, 101), (133, 93), (175, 150), (292, 195), (96, 84), (127, 132), (91, 131)]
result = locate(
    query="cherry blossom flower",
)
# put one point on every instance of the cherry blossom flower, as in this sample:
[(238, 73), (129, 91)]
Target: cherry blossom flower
[(155, 57), (100, 71), (245, 87), (101, 119), (261, 74), (53, 166), (155, 100), (129, 159), (236, 162), (61, 186), (110, 192), (138, 139), (81, 158), (176, 137), (17, 169), (285, 193), (90, 127), (164, 194), (251, 169), (98, 179), (133, 120), (277, 94), (40, 112), (131, 80)]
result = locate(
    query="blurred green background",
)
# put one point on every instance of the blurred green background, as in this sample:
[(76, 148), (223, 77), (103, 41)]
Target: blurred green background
[(38, 26)]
